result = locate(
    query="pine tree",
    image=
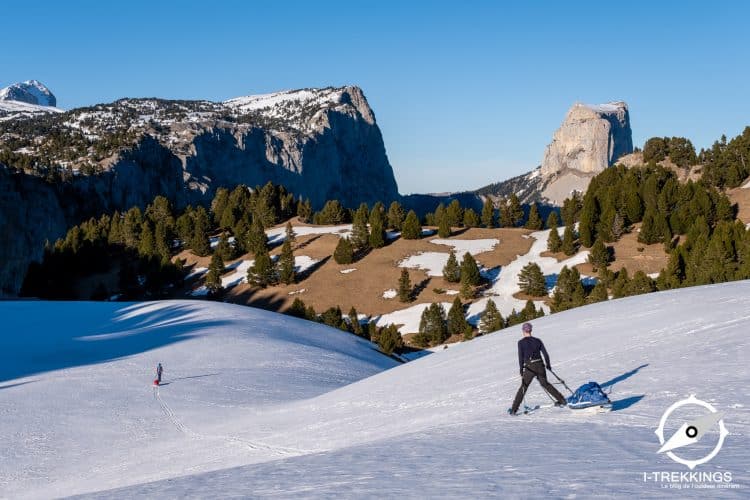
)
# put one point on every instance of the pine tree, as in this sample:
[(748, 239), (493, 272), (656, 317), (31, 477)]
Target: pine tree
[(599, 256), (454, 214), (224, 248), (377, 233), (598, 293), (569, 243), (263, 271), (552, 221), (432, 325), (411, 229), (396, 216), (452, 271), (515, 210), (649, 232), (554, 243), (115, 229), (131, 227), (444, 228), (569, 291), (162, 241), (534, 221), (488, 214), (290, 235), (621, 284), (640, 284), (213, 276), (354, 324), (146, 247), (439, 213), (199, 243), (491, 320), (506, 218), (304, 210), (470, 271), (471, 219), (390, 340), (531, 280), (344, 253), (457, 323), (588, 221), (256, 239), (360, 237), (219, 204), (404, 286), (297, 309), (286, 264)]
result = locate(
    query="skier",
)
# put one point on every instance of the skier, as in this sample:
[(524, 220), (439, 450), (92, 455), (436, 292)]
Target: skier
[(159, 370), (530, 351)]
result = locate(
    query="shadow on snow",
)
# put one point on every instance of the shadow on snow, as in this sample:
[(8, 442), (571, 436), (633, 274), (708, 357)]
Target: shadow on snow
[(62, 336)]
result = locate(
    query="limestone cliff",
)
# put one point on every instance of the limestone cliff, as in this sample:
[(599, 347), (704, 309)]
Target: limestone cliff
[(320, 143)]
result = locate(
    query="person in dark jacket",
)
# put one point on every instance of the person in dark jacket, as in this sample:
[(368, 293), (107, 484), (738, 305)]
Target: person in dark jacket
[(159, 370), (530, 351)]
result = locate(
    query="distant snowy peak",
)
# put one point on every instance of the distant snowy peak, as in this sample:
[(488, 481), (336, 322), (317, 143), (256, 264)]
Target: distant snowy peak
[(30, 92)]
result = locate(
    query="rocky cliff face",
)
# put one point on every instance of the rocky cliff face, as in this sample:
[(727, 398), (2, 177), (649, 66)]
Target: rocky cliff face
[(320, 143), (591, 138)]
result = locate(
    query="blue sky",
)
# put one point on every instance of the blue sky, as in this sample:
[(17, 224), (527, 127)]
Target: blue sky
[(465, 93)]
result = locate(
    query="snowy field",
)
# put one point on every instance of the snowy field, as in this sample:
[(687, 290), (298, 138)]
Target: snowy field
[(259, 404), (505, 284)]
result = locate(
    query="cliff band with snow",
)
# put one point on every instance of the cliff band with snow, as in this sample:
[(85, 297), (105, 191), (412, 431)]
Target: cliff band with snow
[(320, 144)]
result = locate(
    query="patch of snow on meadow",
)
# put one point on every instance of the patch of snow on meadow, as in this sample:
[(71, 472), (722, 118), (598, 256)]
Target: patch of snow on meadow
[(390, 294), (474, 247)]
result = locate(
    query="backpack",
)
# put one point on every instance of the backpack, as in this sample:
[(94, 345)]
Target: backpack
[(590, 394)]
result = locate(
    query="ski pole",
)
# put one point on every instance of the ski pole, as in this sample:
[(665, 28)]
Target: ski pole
[(561, 381)]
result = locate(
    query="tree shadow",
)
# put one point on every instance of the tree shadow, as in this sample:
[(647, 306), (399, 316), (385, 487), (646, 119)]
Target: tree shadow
[(621, 404), (420, 287), (304, 244), (194, 376), (310, 270), (67, 336), (16, 385), (620, 378)]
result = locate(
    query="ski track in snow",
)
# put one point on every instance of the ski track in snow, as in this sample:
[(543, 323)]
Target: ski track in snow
[(232, 439)]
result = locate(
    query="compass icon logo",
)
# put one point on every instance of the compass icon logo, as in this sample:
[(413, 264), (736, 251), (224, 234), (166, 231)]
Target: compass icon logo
[(691, 432)]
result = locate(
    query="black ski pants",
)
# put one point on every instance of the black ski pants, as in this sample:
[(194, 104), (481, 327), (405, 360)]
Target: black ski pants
[(531, 370)]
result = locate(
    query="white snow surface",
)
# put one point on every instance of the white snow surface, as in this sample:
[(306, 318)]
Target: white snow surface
[(474, 247), (746, 185), (408, 318), (505, 284), (347, 271), (430, 262), (390, 294), (261, 405), (277, 235)]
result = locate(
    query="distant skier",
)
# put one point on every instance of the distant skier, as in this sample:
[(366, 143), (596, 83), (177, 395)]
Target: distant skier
[(159, 371), (530, 351)]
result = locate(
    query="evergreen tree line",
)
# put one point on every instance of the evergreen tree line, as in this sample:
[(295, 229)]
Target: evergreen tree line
[(139, 244), (387, 337), (726, 164)]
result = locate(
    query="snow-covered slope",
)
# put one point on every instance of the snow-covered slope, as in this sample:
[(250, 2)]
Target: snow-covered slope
[(435, 427), (77, 403)]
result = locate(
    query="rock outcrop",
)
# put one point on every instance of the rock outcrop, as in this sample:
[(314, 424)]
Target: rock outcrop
[(590, 139), (319, 143)]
